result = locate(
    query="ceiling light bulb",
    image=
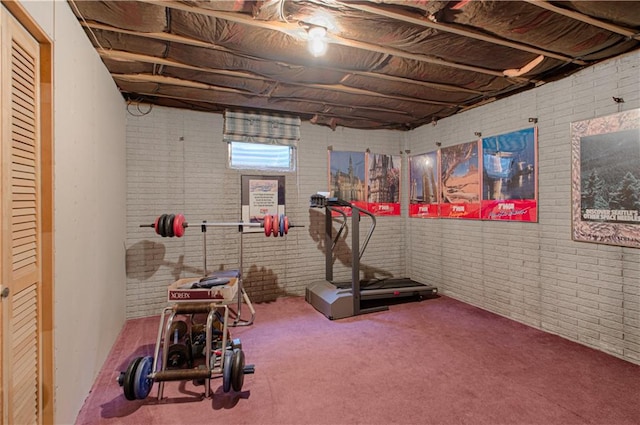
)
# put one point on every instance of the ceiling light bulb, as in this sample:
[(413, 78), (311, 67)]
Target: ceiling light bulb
[(317, 46), (316, 33)]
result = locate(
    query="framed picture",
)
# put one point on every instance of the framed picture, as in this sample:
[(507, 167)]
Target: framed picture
[(510, 176), (423, 185), (347, 178), (261, 195), (605, 179), (383, 183), (460, 181)]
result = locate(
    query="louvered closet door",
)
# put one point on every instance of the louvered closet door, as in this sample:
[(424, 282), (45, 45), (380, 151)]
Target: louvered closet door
[(21, 256)]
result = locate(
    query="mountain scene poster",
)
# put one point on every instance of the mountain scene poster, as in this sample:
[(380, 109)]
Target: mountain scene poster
[(606, 179)]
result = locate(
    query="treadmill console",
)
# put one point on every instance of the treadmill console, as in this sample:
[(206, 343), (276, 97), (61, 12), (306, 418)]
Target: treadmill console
[(321, 201)]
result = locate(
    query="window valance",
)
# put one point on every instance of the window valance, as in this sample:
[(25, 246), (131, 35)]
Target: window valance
[(251, 127)]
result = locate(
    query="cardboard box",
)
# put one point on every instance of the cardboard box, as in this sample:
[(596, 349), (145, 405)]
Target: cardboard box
[(181, 291)]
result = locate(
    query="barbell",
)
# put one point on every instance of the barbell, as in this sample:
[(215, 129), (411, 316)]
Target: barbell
[(170, 225)]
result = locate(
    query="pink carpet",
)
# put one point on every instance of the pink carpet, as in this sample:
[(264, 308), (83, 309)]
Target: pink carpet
[(438, 361)]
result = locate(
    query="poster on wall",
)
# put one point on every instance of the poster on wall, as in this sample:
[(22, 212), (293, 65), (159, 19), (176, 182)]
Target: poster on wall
[(423, 185), (383, 187), (509, 176), (347, 177), (261, 195), (460, 181), (605, 179)]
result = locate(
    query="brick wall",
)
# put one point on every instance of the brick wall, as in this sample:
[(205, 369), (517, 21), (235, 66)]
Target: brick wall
[(533, 272), (176, 162)]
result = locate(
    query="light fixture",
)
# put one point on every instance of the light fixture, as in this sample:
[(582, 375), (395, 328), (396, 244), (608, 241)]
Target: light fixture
[(317, 32), (316, 42)]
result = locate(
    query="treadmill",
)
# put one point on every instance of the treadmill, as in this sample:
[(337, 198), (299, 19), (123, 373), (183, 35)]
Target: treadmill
[(337, 300)]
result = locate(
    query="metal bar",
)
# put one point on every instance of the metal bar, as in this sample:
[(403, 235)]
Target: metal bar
[(204, 246), (328, 247), (240, 287), (181, 375), (225, 224), (342, 226), (355, 258), (165, 352), (208, 349), (156, 352), (371, 229)]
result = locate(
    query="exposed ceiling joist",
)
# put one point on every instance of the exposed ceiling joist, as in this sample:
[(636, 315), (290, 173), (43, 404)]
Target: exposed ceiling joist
[(126, 56), (197, 43), (162, 80), (458, 31), (390, 65), (587, 19), (296, 30)]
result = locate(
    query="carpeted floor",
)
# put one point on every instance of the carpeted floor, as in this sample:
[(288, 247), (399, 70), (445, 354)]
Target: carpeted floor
[(438, 361)]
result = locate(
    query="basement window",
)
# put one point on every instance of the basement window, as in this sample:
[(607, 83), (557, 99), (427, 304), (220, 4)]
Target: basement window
[(261, 141), (259, 156)]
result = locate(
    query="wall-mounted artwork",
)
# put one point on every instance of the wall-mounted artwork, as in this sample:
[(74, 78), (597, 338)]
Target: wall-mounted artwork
[(369, 181), (460, 181), (509, 176), (347, 177), (605, 179), (423, 185), (383, 187), (261, 195)]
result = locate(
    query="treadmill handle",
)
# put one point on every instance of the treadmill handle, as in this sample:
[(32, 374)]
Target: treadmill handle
[(371, 228), (342, 226)]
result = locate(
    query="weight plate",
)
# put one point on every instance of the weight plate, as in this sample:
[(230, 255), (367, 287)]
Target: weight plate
[(276, 226), (226, 371), (142, 383), (181, 327), (237, 369), (166, 223), (128, 382), (163, 218), (281, 224), (155, 225), (178, 226), (267, 225), (286, 224), (177, 356), (170, 225)]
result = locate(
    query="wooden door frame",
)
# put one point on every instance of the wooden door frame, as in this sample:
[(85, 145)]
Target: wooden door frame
[(47, 387)]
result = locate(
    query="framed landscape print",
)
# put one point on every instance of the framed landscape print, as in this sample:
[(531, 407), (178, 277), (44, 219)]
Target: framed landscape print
[(460, 181), (605, 179)]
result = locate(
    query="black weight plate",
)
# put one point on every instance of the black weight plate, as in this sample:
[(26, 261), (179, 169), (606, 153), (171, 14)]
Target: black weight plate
[(226, 371), (129, 379), (169, 225), (165, 225), (237, 369), (177, 356), (142, 383), (163, 218)]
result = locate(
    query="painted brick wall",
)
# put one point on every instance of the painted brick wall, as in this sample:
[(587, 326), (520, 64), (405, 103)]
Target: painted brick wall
[(176, 162), (533, 272)]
